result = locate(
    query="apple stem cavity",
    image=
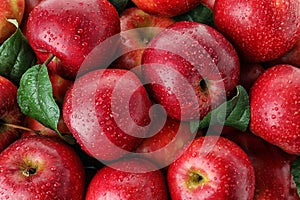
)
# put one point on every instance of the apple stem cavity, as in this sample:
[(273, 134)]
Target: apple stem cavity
[(195, 179), (29, 171), (203, 85)]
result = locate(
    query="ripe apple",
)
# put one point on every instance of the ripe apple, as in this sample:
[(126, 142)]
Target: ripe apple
[(249, 73), (40, 168), (212, 167), (272, 166), (10, 113), (29, 5), (107, 111), (128, 179), (59, 86), (190, 68), (261, 30), (70, 30), (10, 9), (137, 29), (163, 147), (274, 107), (292, 57), (165, 8), (35, 125)]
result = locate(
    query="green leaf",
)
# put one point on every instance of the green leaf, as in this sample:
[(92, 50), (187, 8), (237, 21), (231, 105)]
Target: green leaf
[(296, 173), (200, 14), (119, 5), (234, 113), (35, 97), (16, 56)]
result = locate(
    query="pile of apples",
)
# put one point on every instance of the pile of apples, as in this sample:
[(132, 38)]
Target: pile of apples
[(145, 100)]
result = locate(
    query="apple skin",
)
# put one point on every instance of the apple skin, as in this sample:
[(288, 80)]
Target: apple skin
[(59, 86), (11, 9), (29, 5), (166, 8), (274, 107), (191, 68), (249, 73), (212, 167), (70, 30), (107, 111), (9, 112), (268, 38), (292, 57), (137, 29), (128, 180), (163, 147), (40, 168), (270, 173), (35, 125)]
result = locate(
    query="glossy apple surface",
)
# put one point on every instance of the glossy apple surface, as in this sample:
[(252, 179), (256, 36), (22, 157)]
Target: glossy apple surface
[(40, 168), (212, 167), (70, 30), (107, 111), (10, 113), (128, 180), (191, 68), (261, 30), (274, 107)]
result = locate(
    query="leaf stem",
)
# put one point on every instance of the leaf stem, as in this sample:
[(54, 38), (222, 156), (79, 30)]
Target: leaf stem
[(20, 127), (49, 59)]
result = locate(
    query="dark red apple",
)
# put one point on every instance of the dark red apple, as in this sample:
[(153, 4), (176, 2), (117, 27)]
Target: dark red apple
[(137, 29), (249, 73), (275, 107), (40, 168), (261, 30), (35, 125), (164, 145), (107, 111), (70, 30), (29, 5), (128, 180), (292, 57), (166, 8), (59, 86), (212, 167), (191, 69), (272, 166), (10, 113)]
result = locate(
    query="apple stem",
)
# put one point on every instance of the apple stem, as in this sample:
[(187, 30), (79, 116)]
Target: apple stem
[(49, 59), (21, 128)]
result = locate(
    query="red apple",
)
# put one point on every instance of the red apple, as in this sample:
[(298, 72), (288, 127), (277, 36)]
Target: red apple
[(166, 8), (137, 29), (272, 166), (10, 9), (212, 167), (42, 130), (261, 30), (275, 106), (128, 180), (10, 113), (249, 73), (190, 68), (292, 57), (164, 146), (59, 86), (40, 168), (29, 5), (70, 30), (107, 111)]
